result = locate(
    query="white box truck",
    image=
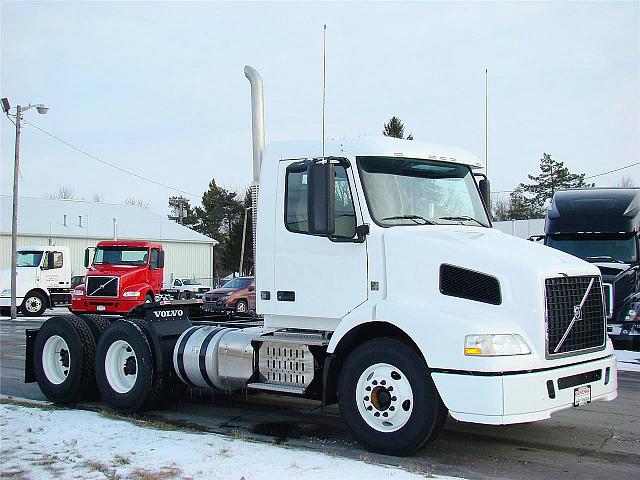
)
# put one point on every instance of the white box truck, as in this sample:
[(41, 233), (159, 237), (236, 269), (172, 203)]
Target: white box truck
[(43, 280), (382, 287)]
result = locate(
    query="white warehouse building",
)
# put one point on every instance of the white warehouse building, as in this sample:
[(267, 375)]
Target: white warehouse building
[(80, 224)]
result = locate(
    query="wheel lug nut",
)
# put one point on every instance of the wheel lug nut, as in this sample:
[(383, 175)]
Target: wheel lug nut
[(377, 414), (392, 408), (369, 407), (375, 382), (390, 388), (368, 389), (383, 382), (385, 414), (366, 399), (393, 399)]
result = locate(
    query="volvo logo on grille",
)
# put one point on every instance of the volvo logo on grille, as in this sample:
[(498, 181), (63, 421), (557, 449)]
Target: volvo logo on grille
[(577, 312)]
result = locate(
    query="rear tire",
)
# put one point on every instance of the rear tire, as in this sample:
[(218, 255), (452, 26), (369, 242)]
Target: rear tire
[(34, 304), (64, 354), (125, 369), (388, 399)]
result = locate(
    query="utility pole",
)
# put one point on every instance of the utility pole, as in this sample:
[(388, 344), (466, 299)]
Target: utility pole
[(14, 215), (14, 218)]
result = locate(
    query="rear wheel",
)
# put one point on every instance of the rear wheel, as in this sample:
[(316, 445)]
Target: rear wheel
[(388, 399), (64, 353), (125, 369), (34, 304)]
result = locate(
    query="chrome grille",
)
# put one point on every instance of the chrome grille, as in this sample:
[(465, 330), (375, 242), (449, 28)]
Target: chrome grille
[(102, 286), (563, 296), (608, 298)]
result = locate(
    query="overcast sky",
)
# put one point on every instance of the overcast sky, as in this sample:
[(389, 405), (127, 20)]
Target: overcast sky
[(158, 88)]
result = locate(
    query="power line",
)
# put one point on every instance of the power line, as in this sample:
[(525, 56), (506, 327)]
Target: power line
[(590, 176), (611, 171), (169, 187)]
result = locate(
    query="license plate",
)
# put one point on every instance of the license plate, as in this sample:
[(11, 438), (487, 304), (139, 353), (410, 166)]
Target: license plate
[(101, 308), (582, 396)]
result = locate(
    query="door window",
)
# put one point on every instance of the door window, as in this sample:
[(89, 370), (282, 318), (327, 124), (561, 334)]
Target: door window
[(296, 214), (177, 283), (57, 260)]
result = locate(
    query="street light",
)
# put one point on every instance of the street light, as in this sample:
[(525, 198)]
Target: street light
[(14, 218)]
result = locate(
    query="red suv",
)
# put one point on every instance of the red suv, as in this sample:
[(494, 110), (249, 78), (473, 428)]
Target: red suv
[(237, 295)]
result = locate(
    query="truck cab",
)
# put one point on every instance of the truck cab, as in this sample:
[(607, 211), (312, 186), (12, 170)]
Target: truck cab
[(122, 275), (43, 280), (602, 226)]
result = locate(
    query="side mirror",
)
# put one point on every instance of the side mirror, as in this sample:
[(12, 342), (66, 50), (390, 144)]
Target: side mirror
[(50, 260), (161, 259), (485, 192), (321, 198), (86, 258)]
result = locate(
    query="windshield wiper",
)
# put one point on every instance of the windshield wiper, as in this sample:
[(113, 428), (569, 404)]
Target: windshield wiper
[(415, 218), (462, 218), (605, 257)]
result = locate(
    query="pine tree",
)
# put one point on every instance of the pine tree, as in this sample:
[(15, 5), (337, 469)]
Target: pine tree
[(394, 128), (553, 176)]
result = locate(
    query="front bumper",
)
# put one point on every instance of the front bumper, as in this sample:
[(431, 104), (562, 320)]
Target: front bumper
[(521, 397), (104, 305), (6, 301)]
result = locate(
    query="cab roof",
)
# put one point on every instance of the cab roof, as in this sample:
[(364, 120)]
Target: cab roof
[(128, 243), (375, 146), (611, 210)]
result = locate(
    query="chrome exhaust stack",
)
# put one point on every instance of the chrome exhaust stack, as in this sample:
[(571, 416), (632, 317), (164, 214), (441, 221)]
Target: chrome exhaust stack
[(257, 131)]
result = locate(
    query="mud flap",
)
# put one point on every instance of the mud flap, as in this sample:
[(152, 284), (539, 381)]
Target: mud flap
[(29, 371)]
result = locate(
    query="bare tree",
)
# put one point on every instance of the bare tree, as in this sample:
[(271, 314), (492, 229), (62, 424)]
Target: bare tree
[(626, 181), (133, 201), (501, 208), (65, 192), (98, 197)]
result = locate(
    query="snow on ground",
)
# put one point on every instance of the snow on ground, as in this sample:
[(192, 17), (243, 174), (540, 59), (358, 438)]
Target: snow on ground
[(72, 444), (628, 360)]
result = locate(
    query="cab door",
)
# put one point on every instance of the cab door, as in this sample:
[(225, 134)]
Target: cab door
[(317, 277)]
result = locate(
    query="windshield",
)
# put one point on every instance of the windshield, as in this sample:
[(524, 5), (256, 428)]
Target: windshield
[(186, 281), (238, 283), (121, 256), (599, 247), (29, 259), (405, 191)]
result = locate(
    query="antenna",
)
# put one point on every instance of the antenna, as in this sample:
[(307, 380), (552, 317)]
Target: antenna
[(324, 80), (486, 121)]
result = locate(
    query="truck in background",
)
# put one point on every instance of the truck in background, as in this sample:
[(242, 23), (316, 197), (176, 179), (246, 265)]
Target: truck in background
[(122, 275), (43, 280), (602, 226), (183, 288), (497, 330)]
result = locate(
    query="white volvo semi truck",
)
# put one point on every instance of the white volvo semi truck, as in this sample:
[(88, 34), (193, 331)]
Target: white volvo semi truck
[(381, 286)]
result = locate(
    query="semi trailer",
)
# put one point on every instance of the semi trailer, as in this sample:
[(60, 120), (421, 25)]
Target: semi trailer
[(380, 286), (602, 226)]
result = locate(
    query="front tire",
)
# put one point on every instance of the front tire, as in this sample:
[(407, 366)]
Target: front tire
[(388, 399), (242, 306), (34, 304), (64, 353)]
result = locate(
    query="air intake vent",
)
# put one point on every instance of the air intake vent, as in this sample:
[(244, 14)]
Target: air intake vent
[(464, 283)]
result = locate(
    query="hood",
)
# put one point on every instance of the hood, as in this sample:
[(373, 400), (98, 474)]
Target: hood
[(133, 274), (223, 291)]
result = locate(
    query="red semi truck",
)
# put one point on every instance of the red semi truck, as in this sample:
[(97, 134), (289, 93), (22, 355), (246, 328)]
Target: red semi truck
[(122, 275)]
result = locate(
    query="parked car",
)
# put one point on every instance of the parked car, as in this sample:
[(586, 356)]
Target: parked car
[(237, 295), (185, 288)]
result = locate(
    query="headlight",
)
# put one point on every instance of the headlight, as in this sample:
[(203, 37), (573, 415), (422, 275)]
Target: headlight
[(6, 292), (78, 292), (495, 345), (131, 294)]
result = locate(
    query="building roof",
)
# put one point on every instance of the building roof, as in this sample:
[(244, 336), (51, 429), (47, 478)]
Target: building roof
[(39, 216), (373, 146)]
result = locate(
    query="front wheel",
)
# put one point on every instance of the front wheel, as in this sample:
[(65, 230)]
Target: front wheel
[(388, 399), (242, 306), (34, 304)]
